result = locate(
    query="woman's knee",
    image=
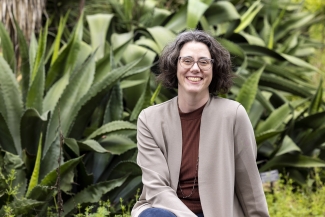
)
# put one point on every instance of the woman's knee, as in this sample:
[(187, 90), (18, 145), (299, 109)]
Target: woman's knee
[(156, 212)]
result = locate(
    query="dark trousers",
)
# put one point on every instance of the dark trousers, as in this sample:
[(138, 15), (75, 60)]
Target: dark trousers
[(158, 212)]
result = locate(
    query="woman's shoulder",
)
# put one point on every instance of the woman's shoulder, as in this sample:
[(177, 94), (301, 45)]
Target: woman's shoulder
[(228, 108), (224, 103)]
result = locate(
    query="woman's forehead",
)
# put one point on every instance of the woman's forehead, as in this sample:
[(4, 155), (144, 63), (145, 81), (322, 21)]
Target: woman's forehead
[(197, 49)]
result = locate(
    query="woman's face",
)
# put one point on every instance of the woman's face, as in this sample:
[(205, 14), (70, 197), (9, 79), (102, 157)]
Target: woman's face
[(194, 80)]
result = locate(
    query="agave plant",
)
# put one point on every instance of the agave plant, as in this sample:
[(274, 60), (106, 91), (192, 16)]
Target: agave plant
[(69, 98), (283, 78)]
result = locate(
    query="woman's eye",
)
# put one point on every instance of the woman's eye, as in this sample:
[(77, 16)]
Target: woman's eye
[(187, 61)]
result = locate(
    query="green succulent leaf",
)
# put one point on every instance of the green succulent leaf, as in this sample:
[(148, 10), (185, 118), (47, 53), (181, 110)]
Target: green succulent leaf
[(288, 145), (220, 12), (98, 26), (312, 141), (125, 167), (25, 65), (284, 72), (8, 52), (278, 83), (67, 60), (253, 40), (39, 56), (33, 47), (57, 41), (11, 106), (240, 80), (161, 35), (261, 137), (149, 43), (294, 22), (262, 51), (117, 144), (317, 99), (91, 145), (34, 178), (248, 91), (55, 92), (155, 94), (111, 127), (75, 91), (137, 70), (249, 15), (178, 21), (255, 113), (41, 193), (289, 160), (273, 121), (114, 107), (299, 62), (313, 121), (159, 16), (6, 140), (93, 97), (127, 190), (65, 168), (195, 9), (236, 51), (73, 145), (50, 159), (119, 42), (35, 93), (143, 102)]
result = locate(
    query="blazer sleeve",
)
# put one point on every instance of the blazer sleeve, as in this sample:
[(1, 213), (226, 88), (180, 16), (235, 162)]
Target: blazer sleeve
[(155, 172), (248, 185)]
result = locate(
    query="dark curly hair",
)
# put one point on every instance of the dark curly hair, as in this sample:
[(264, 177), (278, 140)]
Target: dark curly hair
[(221, 69)]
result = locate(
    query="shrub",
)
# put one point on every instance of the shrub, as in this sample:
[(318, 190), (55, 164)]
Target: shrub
[(287, 200)]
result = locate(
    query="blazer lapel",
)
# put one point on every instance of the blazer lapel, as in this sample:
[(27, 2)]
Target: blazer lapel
[(174, 142), (205, 133)]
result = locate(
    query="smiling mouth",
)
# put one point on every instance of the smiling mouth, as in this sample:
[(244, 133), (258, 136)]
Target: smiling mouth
[(194, 78)]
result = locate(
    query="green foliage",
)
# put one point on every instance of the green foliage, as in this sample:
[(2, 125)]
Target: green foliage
[(270, 47), (59, 97), (92, 82), (287, 200)]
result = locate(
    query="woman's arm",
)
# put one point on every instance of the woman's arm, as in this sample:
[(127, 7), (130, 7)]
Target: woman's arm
[(248, 183), (155, 172)]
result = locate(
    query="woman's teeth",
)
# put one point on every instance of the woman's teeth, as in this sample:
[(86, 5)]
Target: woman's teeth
[(193, 78)]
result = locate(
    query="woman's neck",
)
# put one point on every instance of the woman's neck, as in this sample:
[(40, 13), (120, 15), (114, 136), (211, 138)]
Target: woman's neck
[(189, 102)]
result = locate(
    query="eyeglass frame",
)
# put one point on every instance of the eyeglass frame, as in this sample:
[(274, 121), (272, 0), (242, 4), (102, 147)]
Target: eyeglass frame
[(211, 61)]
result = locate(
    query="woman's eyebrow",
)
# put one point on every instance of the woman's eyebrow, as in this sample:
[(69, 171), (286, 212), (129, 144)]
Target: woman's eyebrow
[(199, 57)]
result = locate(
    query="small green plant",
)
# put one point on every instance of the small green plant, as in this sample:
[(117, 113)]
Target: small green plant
[(125, 213), (102, 210), (10, 190), (8, 211), (288, 200)]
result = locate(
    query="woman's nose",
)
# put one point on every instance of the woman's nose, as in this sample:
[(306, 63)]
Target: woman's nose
[(195, 67)]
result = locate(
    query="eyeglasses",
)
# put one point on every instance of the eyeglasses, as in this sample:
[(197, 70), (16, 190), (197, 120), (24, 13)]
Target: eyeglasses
[(203, 63)]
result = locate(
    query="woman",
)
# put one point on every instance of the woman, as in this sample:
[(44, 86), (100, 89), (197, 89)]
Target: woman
[(197, 151)]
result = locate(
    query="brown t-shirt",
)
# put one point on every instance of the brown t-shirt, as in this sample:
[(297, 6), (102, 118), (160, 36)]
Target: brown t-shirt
[(191, 123)]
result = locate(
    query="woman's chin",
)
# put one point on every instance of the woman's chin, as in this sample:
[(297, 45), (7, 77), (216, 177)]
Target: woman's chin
[(196, 91)]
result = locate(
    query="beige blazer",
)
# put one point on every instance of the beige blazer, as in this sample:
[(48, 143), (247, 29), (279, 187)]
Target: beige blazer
[(229, 182)]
